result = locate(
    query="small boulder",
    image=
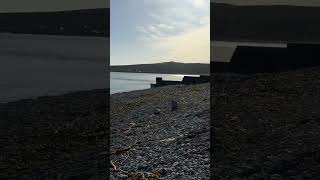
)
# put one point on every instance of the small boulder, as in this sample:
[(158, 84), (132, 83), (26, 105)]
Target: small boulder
[(174, 105), (157, 111)]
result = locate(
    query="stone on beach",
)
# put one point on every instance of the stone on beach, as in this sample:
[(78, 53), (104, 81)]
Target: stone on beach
[(174, 105), (157, 111)]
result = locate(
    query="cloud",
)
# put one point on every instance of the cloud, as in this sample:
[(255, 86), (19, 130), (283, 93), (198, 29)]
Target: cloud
[(154, 31), (190, 46), (199, 4), (168, 18)]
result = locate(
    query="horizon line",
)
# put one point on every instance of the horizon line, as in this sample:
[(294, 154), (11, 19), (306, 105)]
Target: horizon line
[(54, 11), (264, 5), (159, 63)]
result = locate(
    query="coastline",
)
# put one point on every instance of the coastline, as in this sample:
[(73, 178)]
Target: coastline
[(149, 139), (164, 68), (193, 74), (66, 136), (58, 36), (270, 129)]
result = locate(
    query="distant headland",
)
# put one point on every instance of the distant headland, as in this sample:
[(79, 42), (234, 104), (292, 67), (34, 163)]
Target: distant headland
[(87, 22), (164, 68)]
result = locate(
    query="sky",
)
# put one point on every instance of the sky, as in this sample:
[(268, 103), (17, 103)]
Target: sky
[(153, 31), (271, 2), (50, 5)]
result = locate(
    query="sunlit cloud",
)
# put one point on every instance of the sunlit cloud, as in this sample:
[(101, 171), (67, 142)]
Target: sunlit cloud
[(153, 31), (191, 46), (174, 17), (180, 29)]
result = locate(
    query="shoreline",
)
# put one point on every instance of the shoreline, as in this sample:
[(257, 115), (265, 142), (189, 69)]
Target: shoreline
[(41, 137), (61, 36), (160, 73), (53, 96)]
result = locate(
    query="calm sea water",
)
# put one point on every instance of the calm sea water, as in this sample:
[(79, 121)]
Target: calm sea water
[(39, 65), (124, 82)]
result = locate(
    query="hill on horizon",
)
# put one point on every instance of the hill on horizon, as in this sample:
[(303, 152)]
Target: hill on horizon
[(85, 22), (275, 23), (164, 68)]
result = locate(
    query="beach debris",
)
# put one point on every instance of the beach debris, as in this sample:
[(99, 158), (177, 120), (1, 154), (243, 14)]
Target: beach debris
[(133, 175), (168, 139), (157, 111), (174, 105), (131, 125), (234, 118), (118, 169), (122, 151), (114, 166)]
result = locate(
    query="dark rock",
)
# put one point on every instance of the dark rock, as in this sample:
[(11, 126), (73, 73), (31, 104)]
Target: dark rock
[(174, 105), (157, 111), (164, 171), (276, 177), (144, 167)]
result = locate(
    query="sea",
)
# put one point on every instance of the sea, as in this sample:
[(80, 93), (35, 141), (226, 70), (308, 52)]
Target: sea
[(42, 65), (125, 82)]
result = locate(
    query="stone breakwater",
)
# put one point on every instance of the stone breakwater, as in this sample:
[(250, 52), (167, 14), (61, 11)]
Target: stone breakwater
[(187, 80), (161, 133)]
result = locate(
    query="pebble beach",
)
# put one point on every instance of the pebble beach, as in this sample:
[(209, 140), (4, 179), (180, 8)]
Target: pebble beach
[(266, 126), (55, 137), (161, 133)]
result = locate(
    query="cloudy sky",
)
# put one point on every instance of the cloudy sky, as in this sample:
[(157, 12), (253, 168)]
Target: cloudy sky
[(50, 5), (152, 31), (271, 2)]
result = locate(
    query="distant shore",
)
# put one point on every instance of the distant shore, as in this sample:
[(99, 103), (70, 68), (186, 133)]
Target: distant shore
[(83, 22), (164, 68), (160, 73)]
